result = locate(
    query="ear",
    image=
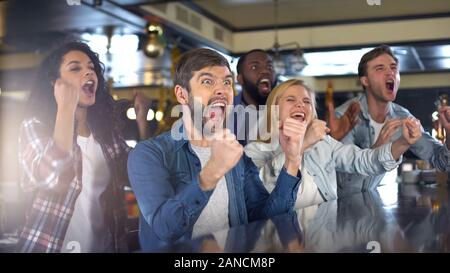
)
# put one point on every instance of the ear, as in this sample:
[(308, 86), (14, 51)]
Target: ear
[(240, 79), (181, 94), (364, 81)]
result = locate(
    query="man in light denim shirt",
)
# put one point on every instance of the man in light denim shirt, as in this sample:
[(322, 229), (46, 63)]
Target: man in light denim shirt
[(380, 78), (195, 180)]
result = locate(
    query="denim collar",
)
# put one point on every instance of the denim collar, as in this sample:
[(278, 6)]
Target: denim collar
[(178, 144), (365, 108), (239, 99), (184, 139)]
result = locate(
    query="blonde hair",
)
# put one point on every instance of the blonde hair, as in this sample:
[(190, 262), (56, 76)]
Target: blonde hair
[(272, 100)]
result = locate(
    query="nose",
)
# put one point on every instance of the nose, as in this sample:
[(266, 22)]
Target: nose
[(390, 71), (219, 90), (299, 104), (89, 72)]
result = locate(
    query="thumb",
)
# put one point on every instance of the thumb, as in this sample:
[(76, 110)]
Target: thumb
[(406, 130)]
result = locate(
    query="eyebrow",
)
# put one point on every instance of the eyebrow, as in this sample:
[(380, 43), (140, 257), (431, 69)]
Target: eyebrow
[(259, 62), (293, 96), (77, 62), (254, 62), (290, 97), (382, 65), (212, 76)]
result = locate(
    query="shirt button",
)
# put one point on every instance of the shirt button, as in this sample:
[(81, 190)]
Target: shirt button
[(197, 202)]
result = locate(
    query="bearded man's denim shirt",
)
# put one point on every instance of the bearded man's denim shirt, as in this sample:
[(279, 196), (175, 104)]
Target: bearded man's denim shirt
[(164, 174)]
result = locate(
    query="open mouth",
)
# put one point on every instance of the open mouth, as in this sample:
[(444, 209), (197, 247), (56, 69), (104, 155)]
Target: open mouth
[(264, 84), (298, 116), (216, 109), (89, 88), (390, 85)]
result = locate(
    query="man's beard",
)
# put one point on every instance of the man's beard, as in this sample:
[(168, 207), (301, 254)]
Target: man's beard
[(193, 104), (253, 91)]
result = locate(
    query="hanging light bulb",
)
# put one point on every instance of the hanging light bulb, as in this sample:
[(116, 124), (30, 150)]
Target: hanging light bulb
[(297, 61), (278, 63), (155, 45), (288, 63)]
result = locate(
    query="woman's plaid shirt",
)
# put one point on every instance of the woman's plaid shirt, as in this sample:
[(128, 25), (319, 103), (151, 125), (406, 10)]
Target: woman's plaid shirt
[(53, 178)]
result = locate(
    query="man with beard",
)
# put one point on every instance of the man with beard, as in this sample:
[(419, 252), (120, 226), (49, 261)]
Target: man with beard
[(202, 183), (256, 75), (382, 119)]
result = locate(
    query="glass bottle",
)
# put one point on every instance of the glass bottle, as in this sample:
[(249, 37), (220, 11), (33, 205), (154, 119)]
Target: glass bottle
[(440, 132)]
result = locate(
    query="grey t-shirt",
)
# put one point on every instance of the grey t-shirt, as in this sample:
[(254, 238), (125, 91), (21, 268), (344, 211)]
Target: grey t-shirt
[(214, 216)]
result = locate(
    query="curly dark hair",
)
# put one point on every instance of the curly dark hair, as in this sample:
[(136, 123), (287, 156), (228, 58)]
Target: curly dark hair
[(42, 104)]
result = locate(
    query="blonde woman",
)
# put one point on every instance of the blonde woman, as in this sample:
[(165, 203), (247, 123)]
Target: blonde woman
[(292, 112)]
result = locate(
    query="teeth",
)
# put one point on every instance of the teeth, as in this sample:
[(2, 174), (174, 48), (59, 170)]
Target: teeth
[(90, 82), (390, 84), (218, 104), (264, 81)]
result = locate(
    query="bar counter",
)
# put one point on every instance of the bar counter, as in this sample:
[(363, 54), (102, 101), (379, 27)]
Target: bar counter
[(397, 217)]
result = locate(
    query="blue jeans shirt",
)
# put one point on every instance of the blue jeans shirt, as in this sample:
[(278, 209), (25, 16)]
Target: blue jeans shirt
[(363, 134), (164, 175)]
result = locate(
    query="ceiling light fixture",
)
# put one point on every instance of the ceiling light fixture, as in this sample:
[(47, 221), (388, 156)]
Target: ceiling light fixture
[(286, 64), (155, 45)]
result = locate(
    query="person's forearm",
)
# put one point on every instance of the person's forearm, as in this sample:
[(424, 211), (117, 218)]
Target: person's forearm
[(399, 147), (306, 144), (338, 134), (143, 128), (209, 177), (292, 166), (64, 129), (447, 140)]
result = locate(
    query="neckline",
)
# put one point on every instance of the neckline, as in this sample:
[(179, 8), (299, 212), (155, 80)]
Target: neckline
[(83, 137), (199, 148)]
